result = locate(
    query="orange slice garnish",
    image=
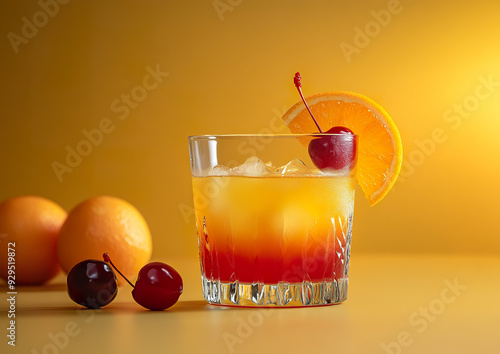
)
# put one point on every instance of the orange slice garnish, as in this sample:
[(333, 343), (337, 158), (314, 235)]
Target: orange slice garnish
[(380, 151)]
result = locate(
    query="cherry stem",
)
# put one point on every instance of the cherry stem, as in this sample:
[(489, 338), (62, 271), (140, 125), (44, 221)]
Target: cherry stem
[(298, 85), (108, 260)]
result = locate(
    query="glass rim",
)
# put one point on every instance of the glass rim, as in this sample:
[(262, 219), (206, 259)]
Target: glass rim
[(230, 136)]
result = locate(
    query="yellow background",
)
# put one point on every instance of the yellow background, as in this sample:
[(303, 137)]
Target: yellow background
[(230, 69)]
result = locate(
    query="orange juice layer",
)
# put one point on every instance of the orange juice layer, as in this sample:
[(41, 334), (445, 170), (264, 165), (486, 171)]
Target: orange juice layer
[(272, 229)]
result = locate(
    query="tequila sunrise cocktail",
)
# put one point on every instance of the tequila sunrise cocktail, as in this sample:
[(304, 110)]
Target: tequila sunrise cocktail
[(271, 236)]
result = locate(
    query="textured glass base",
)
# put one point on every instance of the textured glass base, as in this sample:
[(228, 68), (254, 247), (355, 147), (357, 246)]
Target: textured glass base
[(274, 295)]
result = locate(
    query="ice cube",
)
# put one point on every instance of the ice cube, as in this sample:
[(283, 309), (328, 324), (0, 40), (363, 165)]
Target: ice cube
[(253, 166), (220, 170), (271, 167), (293, 168)]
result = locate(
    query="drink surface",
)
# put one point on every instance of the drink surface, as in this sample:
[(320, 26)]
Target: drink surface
[(274, 228)]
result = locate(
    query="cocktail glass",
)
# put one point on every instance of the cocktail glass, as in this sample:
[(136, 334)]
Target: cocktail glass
[(273, 230)]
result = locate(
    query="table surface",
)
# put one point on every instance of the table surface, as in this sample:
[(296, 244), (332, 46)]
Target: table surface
[(396, 304)]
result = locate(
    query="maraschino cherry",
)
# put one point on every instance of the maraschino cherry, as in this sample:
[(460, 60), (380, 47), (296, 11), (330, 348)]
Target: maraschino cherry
[(329, 151), (333, 151), (158, 285)]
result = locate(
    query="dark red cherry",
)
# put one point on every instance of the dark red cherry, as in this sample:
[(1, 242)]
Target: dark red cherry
[(92, 284), (158, 286), (333, 151)]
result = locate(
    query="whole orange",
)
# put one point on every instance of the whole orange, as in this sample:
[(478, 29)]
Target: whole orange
[(29, 226), (105, 224)]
